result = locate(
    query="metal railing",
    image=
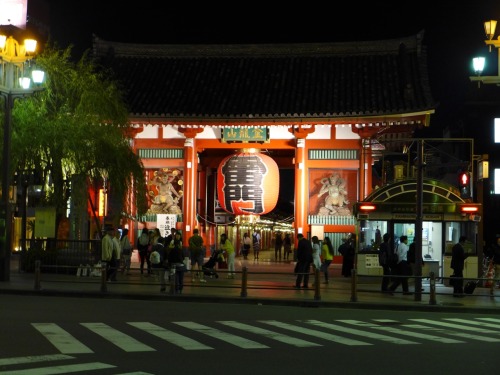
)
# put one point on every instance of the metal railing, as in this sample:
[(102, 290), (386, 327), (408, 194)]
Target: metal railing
[(248, 277)]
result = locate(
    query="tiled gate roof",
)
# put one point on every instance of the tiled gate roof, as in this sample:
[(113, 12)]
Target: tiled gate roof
[(271, 81)]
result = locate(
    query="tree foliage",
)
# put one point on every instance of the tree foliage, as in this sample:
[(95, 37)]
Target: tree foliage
[(77, 126)]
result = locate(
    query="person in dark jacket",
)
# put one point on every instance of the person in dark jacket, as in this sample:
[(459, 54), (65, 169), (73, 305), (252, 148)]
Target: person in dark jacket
[(142, 249), (458, 257), (176, 261), (383, 259), (348, 255), (304, 260)]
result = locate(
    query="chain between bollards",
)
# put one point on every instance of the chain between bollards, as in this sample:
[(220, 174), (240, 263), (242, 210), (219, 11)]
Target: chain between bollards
[(244, 281)]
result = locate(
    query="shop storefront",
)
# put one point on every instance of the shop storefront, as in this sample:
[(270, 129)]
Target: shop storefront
[(446, 217)]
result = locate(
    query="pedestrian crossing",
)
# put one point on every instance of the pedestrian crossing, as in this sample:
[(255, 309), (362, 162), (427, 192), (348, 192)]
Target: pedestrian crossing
[(264, 334), (141, 336)]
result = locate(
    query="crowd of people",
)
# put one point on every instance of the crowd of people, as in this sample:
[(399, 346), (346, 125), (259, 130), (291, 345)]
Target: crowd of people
[(166, 259)]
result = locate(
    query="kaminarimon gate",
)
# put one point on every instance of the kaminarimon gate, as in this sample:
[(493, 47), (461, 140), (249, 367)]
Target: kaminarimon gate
[(202, 115)]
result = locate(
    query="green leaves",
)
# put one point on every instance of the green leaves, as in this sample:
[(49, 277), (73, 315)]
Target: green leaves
[(75, 126)]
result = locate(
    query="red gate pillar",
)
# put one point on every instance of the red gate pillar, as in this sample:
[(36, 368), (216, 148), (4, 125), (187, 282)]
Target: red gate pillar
[(301, 180), (190, 183)]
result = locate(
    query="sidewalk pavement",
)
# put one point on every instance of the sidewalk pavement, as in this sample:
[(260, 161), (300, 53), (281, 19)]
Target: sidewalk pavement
[(269, 282)]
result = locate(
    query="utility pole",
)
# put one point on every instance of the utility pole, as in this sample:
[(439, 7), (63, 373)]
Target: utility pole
[(419, 220)]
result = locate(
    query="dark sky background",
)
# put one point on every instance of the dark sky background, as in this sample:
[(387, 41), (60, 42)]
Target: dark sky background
[(453, 31)]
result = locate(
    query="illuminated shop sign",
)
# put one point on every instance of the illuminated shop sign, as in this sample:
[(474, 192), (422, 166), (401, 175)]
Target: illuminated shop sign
[(245, 134)]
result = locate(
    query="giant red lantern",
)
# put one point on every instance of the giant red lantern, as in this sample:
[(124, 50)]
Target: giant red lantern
[(248, 184)]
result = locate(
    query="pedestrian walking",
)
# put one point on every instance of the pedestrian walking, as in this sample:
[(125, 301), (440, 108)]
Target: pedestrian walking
[(316, 253), (384, 261), (176, 262), (278, 245), (108, 251), (228, 248), (142, 248), (458, 257), (247, 244), (287, 246), (326, 257), (403, 267), (346, 249), (304, 260), (116, 257), (127, 250), (197, 256), (256, 244), (158, 258)]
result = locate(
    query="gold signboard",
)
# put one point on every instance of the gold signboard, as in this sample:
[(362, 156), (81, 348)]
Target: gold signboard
[(245, 134)]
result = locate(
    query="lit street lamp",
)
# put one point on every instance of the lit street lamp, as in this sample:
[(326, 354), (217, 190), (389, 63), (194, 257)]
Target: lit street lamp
[(14, 83), (478, 63)]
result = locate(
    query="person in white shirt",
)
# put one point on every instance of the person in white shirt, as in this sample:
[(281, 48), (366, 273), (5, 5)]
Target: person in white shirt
[(115, 258), (403, 270), (126, 248), (108, 250), (316, 253)]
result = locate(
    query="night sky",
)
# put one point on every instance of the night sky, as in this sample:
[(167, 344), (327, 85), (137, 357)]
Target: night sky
[(453, 31)]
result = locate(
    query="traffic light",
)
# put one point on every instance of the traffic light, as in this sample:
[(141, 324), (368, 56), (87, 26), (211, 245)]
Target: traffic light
[(464, 184)]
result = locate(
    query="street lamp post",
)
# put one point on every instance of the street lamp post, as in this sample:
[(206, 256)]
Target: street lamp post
[(14, 83), (479, 62)]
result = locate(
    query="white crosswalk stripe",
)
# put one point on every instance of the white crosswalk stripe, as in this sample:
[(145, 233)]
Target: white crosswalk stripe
[(64, 369), (480, 324), (227, 337), (391, 339), (447, 330), (315, 333), (490, 320), (454, 333), (118, 338), (270, 334), (170, 336), (61, 339)]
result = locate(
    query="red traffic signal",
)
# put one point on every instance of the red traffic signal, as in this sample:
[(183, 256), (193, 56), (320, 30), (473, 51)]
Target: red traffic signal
[(464, 179), (464, 185)]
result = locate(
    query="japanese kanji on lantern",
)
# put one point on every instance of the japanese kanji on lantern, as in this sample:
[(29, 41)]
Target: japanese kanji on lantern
[(248, 183)]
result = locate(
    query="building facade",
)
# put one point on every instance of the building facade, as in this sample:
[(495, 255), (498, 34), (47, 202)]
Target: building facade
[(322, 111)]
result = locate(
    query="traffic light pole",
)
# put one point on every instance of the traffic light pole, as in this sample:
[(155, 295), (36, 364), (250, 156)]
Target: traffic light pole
[(419, 220)]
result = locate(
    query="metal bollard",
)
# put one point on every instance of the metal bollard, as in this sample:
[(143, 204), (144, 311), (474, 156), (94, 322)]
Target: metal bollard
[(244, 280), (37, 275), (172, 280), (432, 289), (317, 294), (354, 286), (492, 289), (104, 277)]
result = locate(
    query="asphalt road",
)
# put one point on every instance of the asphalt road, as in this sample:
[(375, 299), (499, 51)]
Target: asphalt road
[(53, 335)]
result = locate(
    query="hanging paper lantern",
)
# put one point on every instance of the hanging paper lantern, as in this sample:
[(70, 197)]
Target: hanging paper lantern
[(248, 184)]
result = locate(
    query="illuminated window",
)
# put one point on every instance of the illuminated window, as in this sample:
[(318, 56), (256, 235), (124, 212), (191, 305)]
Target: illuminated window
[(497, 130), (497, 181)]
